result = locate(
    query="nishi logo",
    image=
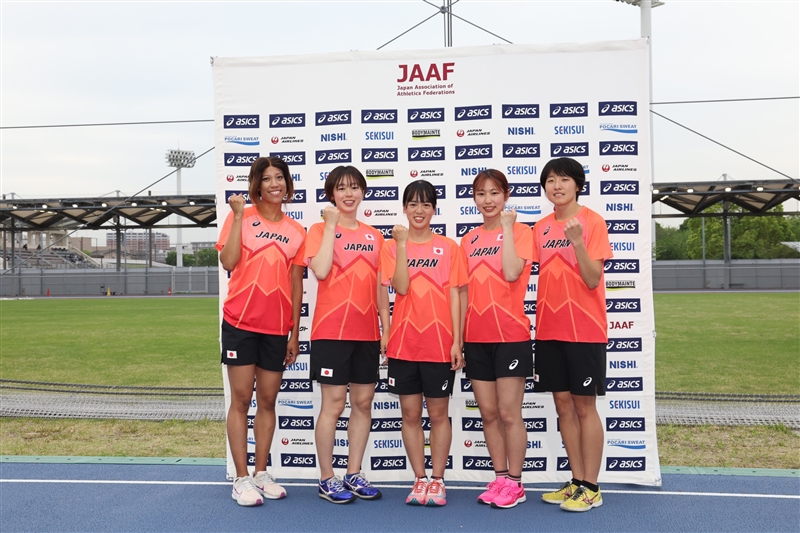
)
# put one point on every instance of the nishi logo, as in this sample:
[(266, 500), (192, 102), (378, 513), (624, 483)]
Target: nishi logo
[(433, 153), (625, 266), (297, 385), (369, 155), (624, 345), (619, 187), (625, 424), (580, 109), (342, 155), (623, 384), (607, 109), (429, 114), (290, 158), (476, 112), (299, 459), (240, 160), (388, 463), (475, 151), (623, 305), (522, 190), (240, 121), (296, 422), (569, 149), (379, 116), (287, 120), (520, 111), (521, 150), (381, 193), (625, 464), (329, 118), (619, 148), (622, 226)]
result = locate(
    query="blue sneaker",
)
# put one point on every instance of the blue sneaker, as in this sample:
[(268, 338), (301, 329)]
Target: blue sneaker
[(332, 490), (358, 485)]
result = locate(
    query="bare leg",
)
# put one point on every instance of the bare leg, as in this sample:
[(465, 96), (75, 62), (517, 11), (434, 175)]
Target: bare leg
[(413, 436), (591, 437), (510, 392), (441, 433), (333, 399), (493, 430), (570, 431), (241, 382), (267, 386), (360, 424)]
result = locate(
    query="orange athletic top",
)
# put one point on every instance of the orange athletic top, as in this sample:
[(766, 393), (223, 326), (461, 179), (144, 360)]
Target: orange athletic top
[(495, 309), (347, 302), (566, 309), (260, 286), (422, 326)]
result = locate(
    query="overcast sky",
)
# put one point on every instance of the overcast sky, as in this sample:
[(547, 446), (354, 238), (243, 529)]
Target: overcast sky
[(90, 62)]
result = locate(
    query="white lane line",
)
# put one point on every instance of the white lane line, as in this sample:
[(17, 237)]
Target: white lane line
[(383, 486)]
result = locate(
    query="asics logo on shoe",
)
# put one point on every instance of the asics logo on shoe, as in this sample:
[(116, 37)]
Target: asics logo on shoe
[(444, 386), (586, 383), (513, 364)]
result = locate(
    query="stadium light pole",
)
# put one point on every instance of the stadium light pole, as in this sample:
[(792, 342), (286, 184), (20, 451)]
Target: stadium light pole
[(180, 159)]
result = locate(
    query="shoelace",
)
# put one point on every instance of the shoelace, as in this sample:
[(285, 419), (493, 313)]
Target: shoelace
[(246, 484), (268, 479), (420, 484), (578, 493), (435, 487), (359, 480), (335, 484)]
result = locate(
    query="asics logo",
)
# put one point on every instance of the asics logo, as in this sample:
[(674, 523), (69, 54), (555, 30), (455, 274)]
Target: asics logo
[(513, 364), (444, 386), (587, 381)]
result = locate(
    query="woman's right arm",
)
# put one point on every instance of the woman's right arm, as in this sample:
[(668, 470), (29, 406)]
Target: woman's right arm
[(232, 250), (322, 262)]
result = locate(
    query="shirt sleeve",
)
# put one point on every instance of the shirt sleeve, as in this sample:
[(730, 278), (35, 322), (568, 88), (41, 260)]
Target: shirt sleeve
[(534, 245), (458, 273), (598, 245), (298, 258), (224, 232), (313, 242), (523, 242), (387, 262)]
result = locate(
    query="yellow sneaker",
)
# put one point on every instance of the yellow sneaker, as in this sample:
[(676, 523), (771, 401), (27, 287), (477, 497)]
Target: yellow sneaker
[(561, 495), (583, 500)]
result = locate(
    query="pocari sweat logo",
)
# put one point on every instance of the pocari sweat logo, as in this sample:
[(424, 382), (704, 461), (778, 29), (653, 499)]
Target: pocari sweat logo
[(240, 160), (521, 150), (331, 118), (342, 155), (569, 149), (621, 266), (475, 112), (608, 109), (580, 109), (290, 158), (371, 155), (619, 148), (240, 121), (619, 187), (428, 114), (287, 120), (475, 151), (520, 111), (381, 193), (433, 153), (379, 116)]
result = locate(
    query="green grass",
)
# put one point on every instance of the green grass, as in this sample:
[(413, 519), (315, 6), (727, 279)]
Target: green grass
[(747, 343), (707, 342), (112, 341)]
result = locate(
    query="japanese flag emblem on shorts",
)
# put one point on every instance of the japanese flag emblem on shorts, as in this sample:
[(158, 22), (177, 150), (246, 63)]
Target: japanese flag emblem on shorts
[(230, 354), (327, 372)]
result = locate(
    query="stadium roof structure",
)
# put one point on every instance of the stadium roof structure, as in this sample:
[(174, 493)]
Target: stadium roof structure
[(200, 210)]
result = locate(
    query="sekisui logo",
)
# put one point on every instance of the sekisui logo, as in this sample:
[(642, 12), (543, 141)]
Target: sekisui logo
[(475, 151), (471, 424), (534, 464), (619, 148), (623, 305), (387, 424), (524, 190), (625, 464), (428, 114), (475, 112), (387, 443), (624, 345), (624, 384), (625, 424), (299, 459), (287, 120), (379, 116), (569, 149), (477, 463), (297, 385), (619, 187), (615, 109), (240, 121), (371, 155), (341, 155), (520, 111), (290, 158), (463, 229), (397, 462), (622, 226), (521, 150), (381, 193), (240, 160), (621, 266), (580, 109), (296, 422), (331, 118), (299, 196), (433, 153)]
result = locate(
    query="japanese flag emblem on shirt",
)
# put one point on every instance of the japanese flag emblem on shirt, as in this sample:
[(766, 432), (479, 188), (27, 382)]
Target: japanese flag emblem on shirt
[(438, 251), (500, 237), (369, 237)]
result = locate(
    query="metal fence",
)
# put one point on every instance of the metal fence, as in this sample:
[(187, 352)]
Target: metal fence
[(767, 274)]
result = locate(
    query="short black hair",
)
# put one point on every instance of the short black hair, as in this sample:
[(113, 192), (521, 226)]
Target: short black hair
[(564, 166), (419, 191), (340, 174)]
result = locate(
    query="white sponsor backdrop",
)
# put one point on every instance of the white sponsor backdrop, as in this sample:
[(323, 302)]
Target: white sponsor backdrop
[(444, 115)]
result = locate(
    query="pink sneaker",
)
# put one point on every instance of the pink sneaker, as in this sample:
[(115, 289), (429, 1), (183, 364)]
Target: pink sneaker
[(437, 495), (510, 495), (492, 490), (418, 493)]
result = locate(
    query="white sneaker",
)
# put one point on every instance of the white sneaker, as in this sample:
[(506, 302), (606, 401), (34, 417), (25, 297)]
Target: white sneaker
[(268, 487), (245, 492)]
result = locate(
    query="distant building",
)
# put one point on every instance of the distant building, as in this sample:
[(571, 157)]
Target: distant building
[(137, 240)]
